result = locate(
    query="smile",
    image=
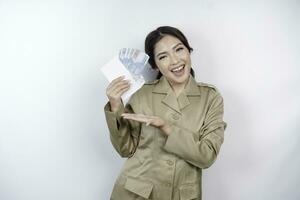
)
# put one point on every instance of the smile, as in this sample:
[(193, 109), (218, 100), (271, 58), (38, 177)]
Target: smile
[(178, 68)]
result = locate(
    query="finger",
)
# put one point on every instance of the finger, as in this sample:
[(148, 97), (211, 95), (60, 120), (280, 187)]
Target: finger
[(140, 117), (135, 118), (117, 84), (114, 81), (116, 88), (132, 115), (148, 123), (121, 90), (127, 114), (118, 79), (118, 91), (146, 117)]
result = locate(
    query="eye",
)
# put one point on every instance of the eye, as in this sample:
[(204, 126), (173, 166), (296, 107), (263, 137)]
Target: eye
[(179, 49), (162, 57)]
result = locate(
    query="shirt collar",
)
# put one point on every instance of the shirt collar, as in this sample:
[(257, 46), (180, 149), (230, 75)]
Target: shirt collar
[(164, 87), (180, 102)]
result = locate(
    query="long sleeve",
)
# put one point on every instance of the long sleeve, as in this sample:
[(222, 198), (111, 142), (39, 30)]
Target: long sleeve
[(124, 134), (200, 148)]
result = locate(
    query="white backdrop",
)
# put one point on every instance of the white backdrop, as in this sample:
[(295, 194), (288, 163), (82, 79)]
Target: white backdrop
[(54, 142)]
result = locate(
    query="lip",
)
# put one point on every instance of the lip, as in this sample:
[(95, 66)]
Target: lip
[(177, 67)]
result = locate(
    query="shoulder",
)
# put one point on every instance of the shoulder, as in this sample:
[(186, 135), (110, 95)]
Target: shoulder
[(146, 89), (207, 86), (209, 90)]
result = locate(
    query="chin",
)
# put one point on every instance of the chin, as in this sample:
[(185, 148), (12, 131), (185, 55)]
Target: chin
[(180, 80)]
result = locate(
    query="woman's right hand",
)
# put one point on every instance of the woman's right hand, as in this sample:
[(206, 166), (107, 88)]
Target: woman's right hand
[(115, 90)]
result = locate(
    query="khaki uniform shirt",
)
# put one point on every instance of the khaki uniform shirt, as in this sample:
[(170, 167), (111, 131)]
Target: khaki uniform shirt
[(161, 167)]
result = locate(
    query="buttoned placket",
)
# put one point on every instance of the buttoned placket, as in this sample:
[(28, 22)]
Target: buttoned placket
[(174, 115)]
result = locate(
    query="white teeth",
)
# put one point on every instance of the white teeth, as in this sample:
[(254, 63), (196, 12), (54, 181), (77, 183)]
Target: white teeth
[(177, 69)]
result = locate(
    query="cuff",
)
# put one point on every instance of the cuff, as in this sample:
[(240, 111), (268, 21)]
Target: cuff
[(117, 113)]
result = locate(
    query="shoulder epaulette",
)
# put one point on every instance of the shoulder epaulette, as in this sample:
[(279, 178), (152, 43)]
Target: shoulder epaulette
[(207, 85)]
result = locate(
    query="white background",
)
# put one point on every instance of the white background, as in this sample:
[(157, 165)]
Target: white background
[(54, 142)]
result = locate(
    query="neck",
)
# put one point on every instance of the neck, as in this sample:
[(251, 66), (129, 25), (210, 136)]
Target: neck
[(178, 88)]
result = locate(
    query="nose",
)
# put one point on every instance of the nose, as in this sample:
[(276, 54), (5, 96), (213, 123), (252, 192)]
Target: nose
[(174, 59)]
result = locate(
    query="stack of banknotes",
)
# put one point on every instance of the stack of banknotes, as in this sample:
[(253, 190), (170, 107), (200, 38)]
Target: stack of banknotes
[(134, 60), (132, 63)]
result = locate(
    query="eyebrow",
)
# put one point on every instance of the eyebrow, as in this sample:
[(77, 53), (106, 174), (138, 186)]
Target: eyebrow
[(172, 48)]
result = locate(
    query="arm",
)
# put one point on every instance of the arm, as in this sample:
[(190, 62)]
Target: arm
[(200, 148), (124, 134)]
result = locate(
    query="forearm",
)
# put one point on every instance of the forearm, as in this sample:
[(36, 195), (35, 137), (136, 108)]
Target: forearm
[(200, 152), (123, 135)]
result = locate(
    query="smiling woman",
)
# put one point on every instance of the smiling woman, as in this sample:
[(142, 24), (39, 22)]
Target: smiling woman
[(174, 62), (169, 130)]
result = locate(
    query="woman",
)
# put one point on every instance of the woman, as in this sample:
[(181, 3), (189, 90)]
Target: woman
[(169, 130)]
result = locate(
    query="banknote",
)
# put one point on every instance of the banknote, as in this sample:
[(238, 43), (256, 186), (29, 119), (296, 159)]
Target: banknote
[(130, 62), (134, 60)]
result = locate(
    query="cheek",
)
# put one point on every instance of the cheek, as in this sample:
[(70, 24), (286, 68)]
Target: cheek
[(162, 69), (187, 58), (162, 65)]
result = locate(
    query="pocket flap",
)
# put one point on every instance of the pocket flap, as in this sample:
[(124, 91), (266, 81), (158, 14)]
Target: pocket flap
[(139, 187), (189, 192)]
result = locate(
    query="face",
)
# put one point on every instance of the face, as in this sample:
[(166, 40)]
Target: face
[(173, 60)]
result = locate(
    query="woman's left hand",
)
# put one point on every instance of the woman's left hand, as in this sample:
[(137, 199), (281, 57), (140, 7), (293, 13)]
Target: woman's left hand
[(149, 120)]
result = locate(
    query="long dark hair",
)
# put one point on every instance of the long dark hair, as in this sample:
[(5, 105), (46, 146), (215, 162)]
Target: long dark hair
[(154, 36)]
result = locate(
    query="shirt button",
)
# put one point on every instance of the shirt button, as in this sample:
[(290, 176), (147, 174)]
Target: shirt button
[(169, 162), (175, 116), (167, 184)]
